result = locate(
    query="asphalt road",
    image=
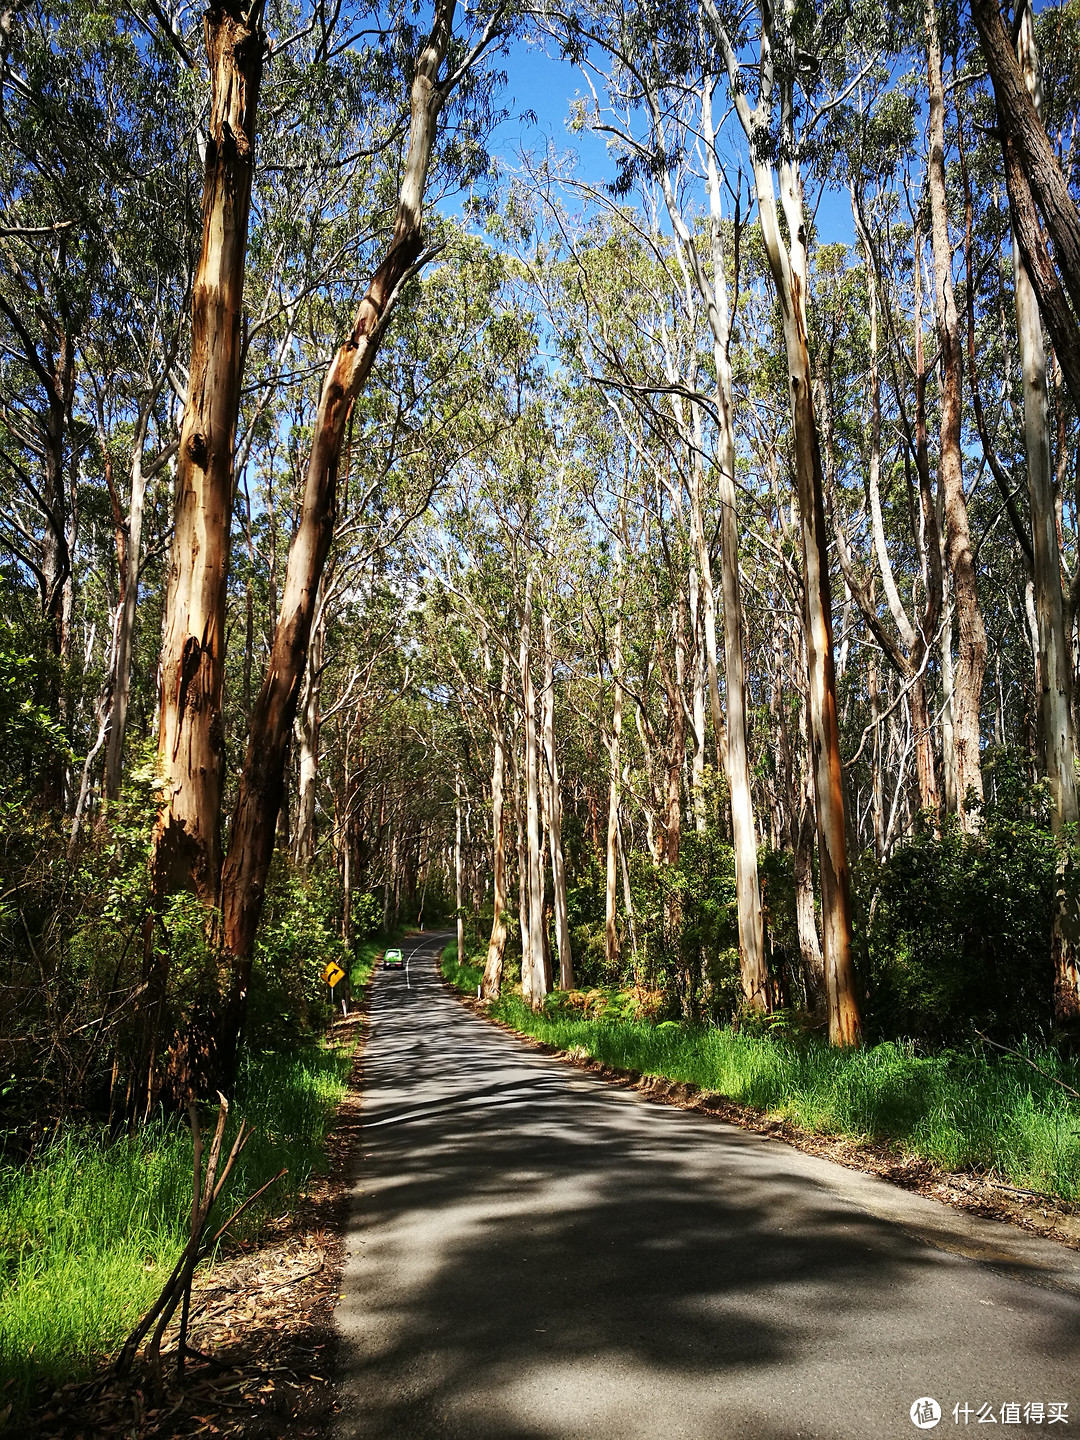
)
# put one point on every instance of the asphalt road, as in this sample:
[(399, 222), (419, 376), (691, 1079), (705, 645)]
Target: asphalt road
[(538, 1255)]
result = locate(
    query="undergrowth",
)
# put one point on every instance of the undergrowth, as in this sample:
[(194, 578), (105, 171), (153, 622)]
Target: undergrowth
[(91, 1227), (959, 1109)]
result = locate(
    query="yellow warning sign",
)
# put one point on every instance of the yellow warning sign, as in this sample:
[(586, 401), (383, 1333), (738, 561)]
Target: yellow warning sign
[(333, 973)]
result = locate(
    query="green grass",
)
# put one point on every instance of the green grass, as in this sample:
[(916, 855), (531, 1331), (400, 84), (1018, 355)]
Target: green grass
[(959, 1109), (90, 1229)]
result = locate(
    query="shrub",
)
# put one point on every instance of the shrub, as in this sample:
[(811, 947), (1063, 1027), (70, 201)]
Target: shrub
[(959, 926)]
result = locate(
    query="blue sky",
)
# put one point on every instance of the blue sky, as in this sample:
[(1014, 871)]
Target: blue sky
[(546, 85)]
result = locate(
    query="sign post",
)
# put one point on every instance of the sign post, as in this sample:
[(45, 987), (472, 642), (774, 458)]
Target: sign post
[(333, 974)]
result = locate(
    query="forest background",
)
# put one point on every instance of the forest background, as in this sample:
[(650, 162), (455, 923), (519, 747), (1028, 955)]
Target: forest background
[(651, 542)]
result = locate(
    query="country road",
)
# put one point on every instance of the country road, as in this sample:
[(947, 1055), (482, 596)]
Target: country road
[(535, 1254)]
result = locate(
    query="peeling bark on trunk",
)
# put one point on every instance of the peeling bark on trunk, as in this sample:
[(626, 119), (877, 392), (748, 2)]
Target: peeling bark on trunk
[(845, 1026), (558, 866), (971, 660), (492, 982), (1056, 732), (1033, 177), (262, 780), (186, 845), (185, 849)]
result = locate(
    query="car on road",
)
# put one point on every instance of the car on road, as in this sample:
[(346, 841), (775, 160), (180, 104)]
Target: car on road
[(393, 960)]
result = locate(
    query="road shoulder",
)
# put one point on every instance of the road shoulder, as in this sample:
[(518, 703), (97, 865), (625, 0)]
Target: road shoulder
[(1028, 1237)]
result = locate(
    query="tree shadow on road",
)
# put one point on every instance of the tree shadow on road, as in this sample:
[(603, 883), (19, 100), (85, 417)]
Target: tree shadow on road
[(541, 1255)]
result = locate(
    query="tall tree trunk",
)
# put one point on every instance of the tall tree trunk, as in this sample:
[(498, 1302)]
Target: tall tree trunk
[(754, 970), (459, 917), (56, 556), (1034, 177), (307, 733), (523, 877), (125, 633), (186, 844), (1057, 738), (909, 662), (558, 866), (877, 787), (697, 773), (611, 929), (971, 659), (845, 1026), (492, 982), (261, 782), (755, 975), (185, 852), (708, 594), (788, 265), (813, 963), (948, 733), (535, 957)]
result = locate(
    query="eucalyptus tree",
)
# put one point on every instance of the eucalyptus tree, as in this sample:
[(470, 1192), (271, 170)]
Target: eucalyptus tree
[(1038, 191), (805, 66), (186, 847), (80, 179), (1017, 83), (259, 796), (671, 88)]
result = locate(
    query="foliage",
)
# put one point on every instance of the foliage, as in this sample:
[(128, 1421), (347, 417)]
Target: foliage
[(89, 1228), (297, 938), (959, 926), (72, 932)]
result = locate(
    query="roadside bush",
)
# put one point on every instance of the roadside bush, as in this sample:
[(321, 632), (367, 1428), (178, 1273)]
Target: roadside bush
[(687, 926), (299, 933), (959, 927)]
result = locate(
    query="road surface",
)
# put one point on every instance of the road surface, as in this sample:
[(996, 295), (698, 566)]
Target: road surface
[(536, 1254)]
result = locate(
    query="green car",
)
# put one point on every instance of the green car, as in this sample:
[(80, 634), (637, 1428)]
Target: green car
[(393, 960)]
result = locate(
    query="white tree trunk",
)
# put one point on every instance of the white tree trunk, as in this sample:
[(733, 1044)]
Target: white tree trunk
[(523, 876), (699, 682), (307, 734), (457, 869), (558, 868), (125, 633), (1057, 737), (787, 259), (534, 959), (611, 944), (492, 983)]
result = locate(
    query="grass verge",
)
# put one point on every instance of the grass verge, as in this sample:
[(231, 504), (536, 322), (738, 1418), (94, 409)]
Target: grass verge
[(959, 1109), (90, 1229)]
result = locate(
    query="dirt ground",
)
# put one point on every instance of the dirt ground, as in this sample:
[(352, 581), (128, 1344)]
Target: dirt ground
[(262, 1318)]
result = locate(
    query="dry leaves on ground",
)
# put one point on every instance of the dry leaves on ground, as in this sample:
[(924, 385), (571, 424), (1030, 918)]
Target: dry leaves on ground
[(262, 1318)]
